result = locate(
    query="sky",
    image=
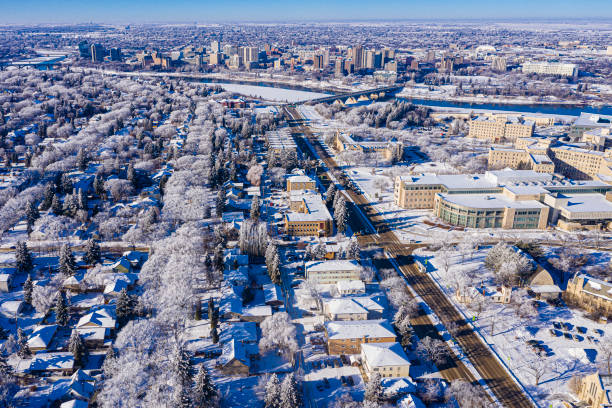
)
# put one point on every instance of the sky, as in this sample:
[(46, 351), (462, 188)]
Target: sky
[(207, 11)]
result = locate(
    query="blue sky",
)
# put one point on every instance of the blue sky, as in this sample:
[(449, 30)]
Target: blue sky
[(202, 11)]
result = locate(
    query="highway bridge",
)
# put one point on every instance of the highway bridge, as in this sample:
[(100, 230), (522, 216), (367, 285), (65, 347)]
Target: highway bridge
[(370, 94)]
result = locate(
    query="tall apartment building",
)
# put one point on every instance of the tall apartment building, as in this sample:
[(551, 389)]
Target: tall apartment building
[(508, 128), (499, 64), (357, 57), (215, 47), (550, 68), (609, 50), (318, 61)]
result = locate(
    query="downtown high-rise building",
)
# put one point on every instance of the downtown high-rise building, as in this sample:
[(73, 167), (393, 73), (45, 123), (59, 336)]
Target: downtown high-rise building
[(357, 57), (97, 53)]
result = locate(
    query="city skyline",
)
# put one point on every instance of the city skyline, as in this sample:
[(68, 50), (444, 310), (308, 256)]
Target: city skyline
[(187, 11)]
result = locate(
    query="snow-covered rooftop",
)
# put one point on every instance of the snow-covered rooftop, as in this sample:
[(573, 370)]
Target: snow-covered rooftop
[(384, 354), (359, 329)]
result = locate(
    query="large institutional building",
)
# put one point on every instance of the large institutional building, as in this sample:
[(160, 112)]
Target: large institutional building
[(510, 199), (550, 68), (500, 128), (344, 141), (591, 294), (309, 215)]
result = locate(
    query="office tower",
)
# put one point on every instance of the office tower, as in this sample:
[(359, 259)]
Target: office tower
[(215, 59), (369, 59), (97, 53), (357, 57), (318, 61), (249, 54), (414, 65), (215, 47), (115, 54), (391, 66), (388, 54), (431, 56), (446, 65), (349, 66), (84, 50), (325, 58)]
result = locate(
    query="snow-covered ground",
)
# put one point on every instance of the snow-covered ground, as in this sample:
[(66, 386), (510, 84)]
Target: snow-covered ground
[(270, 93), (507, 333)]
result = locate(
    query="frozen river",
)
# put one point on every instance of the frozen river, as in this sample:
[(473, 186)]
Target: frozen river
[(271, 93)]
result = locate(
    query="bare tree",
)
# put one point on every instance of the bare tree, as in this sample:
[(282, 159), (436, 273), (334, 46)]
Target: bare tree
[(537, 367)]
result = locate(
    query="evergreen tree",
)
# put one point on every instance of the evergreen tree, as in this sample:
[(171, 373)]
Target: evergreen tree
[(92, 252), (82, 159), (123, 308), (197, 315), (374, 392), (290, 392), (275, 272), (181, 365), (272, 398), (255, 211), (182, 398), (56, 205), (23, 258), (212, 313), (48, 197), (98, 186), (340, 214), (214, 334), (205, 393), (220, 203), (28, 287), (61, 310), (67, 264), (77, 348), (23, 350), (131, 175), (32, 215), (330, 194), (3, 334), (66, 184), (218, 262)]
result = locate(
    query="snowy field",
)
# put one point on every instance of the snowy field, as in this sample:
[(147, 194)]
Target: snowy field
[(271, 94), (508, 333)]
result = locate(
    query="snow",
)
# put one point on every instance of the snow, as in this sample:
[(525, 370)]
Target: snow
[(271, 94)]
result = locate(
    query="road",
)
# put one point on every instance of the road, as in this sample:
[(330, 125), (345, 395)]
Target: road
[(499, 381)]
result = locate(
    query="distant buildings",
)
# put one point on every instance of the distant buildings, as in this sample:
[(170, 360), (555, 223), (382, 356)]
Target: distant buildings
[(499, 64), (550, 68), (344, 141)]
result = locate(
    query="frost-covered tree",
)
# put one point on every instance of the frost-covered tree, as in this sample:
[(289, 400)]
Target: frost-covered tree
[(47, 197), (290, 392), (92, 252), (254, 174), (507, 265), (82, 160), (272, 397), (374, 392), (353, 250), (56, 206), (23, 350), (433, 350), (604, 349), (467, 395), (205, 393), (67, 263), (28, 286), (77, 348), (340, 214), (253, 237), (181, 364), (330, 194), (23, 258), (61, 310), (278, 333)]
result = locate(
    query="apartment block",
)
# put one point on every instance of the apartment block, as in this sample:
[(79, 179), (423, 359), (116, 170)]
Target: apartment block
[(309, 216), (300, 182), (332, 271), (387, 359), (578, 163), (550, 68), (346, 337)]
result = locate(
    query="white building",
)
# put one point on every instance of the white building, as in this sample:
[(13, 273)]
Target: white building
[(550, 68), (330, 272), (387, 359)]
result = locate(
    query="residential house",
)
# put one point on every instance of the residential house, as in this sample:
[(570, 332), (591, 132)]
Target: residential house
[(41, 337), (387, 359), (344, 309), (93, 337), (272, 294), (60, 362), (234, 359)]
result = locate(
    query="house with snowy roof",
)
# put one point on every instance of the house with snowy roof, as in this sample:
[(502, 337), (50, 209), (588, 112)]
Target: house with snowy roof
[(387, 359), (60, 362), (330, 272), (593, 295), (346, 337), (350, 287), (101, 317), (234, 359), (41, 337), (272, 295), (355, 308)]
